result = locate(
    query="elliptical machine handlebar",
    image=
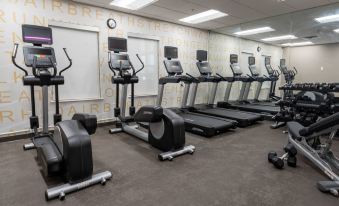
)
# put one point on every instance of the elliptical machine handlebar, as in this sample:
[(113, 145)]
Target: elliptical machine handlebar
[(277, 73), (15, 51), (109, 63), (142, 63), (70, 62)]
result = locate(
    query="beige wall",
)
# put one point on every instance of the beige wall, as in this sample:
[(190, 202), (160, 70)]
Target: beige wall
[(15, 98), (310, 59)]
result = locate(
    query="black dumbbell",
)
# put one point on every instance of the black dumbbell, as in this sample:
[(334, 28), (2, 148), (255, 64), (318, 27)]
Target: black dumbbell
[(271, 155), (292, 161), (278, 162), (291, 150)]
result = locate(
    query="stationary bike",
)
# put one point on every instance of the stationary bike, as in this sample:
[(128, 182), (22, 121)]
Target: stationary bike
[(166, 130), (67, 152)]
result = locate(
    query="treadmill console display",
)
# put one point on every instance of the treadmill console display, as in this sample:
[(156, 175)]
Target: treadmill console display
[(37, 35), (233, 58), (251, 60), (282, 62), (43, 55)]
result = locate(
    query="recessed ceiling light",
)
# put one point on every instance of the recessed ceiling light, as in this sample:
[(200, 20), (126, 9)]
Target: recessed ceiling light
[(304, 43), (254, 31), (132, 4), (336, 30), (327, 19), (203, 16), (277, 38)]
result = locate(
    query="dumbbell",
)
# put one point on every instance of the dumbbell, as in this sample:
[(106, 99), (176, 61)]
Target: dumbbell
[(289, 156), (278, 162)]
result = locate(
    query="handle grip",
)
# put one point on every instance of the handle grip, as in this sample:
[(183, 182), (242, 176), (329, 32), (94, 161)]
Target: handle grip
[(54, 66), (65, 50), (223, 78), (15, 50), (34, 66), (142, 63), (192, 77), (109, 63), (70, 62)]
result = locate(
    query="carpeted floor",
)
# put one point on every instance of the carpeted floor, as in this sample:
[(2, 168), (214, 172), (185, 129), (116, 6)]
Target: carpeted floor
[(230, 169)]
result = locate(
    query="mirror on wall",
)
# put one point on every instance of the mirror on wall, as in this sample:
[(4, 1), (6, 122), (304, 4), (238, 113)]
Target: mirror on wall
[(318, 25)]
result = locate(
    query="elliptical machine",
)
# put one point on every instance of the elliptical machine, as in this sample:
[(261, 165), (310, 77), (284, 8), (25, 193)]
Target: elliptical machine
[(273, 75), (67, 152), (166, 130)]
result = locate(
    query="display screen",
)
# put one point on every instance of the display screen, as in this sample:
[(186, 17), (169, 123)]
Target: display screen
[(117, 44), (201, 55), (267, 61), (171, 52), (37, 34), (233, 58), (282, 62), (251, 60), (40, 51)]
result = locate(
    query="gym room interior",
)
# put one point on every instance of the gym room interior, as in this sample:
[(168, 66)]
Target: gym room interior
[(189, 102)]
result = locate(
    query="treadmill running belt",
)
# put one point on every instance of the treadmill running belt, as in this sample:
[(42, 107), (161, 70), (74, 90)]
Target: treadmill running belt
[(257, 108), (204, 125), (244, 119)]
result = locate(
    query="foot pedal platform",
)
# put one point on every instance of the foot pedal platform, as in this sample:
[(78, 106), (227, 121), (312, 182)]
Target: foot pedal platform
[(172, 154)]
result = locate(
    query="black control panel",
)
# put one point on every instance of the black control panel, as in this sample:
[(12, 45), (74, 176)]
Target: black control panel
[(43, 55)]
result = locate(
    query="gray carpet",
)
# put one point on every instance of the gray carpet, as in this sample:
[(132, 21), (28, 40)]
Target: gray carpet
[(230, 169)]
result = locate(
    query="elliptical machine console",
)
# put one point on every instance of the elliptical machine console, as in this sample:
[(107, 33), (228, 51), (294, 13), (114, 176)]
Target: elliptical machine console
[(166, 130), (67, 152)]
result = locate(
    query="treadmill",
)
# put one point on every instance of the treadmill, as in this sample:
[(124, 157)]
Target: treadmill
[(244, 119), (267, 111), (260, 79), (195, 123)]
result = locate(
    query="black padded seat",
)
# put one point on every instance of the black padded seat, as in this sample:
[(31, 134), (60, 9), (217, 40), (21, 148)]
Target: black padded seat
[(294, 129)]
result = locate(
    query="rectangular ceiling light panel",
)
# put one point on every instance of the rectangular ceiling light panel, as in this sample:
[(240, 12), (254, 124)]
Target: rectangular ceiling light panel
[(304, 43), (278, 38), (203, 16), (327, 19), (132, 4), (254, 31)]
